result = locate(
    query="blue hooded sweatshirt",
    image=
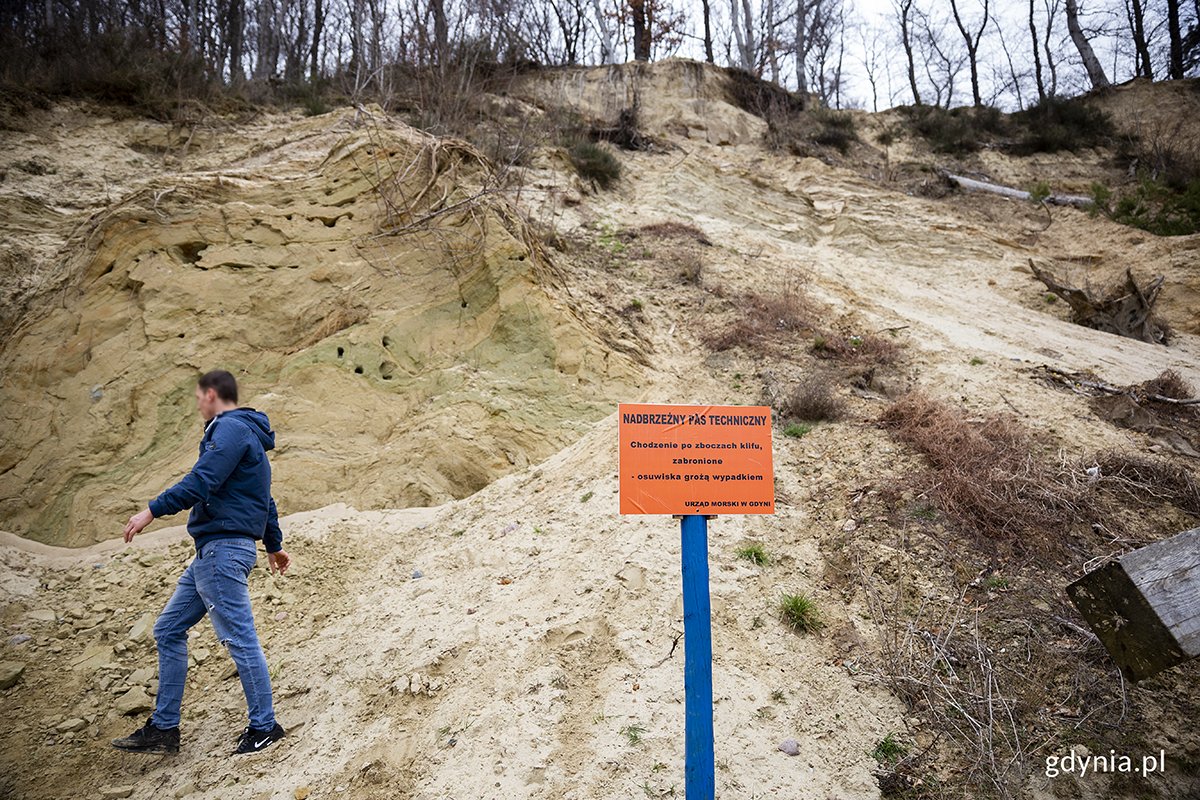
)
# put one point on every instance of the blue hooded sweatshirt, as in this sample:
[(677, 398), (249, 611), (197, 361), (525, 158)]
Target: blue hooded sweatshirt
[(229, 489)]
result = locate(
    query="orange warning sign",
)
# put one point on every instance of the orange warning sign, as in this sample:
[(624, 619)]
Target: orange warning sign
[(678, 459)]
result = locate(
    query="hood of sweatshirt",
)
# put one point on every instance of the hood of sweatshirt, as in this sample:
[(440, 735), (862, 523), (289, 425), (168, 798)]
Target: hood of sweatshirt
[(255, 420)]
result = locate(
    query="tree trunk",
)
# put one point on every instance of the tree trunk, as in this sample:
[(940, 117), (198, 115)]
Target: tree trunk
[(441, 32), (641, 30), (606, 39), (1175, 68), (972, 47), (905, 7), (708, 44), (769, 41), (1139, 40), (745, 44), (1052, 89), (802, 47), (314, 63), (1037, 55), (234, 26), (1090, 62)]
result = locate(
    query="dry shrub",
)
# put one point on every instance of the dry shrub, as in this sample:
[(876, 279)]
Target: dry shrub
[(690, 266), (761, 318), (984, 476), (1168, 383), (676, 230), (1136, 478), (868, 347), (812, 400), (940, 663)]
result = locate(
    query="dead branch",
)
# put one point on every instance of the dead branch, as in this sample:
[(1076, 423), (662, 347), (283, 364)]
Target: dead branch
[(1079, 382)]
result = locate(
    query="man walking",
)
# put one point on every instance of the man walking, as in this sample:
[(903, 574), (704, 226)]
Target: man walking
[(229, 493)]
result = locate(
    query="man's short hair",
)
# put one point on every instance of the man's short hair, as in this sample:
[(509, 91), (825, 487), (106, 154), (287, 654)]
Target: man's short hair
[(221, 380)]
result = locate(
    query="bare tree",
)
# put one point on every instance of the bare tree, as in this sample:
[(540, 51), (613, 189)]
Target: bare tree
[(816, 24), (604, 30), (827, 35), (1014, 80), (905, 14), (1051, 7), (314, 52), (942, 63), (972, 43), (742, 20), (1175, 62), (708, 40), (1090, 62), (1135, 11), (1037, 55), (873, 58), (641, 30)]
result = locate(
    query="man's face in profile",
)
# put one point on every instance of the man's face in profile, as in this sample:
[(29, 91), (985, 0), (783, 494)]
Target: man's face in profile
[(206, 403)]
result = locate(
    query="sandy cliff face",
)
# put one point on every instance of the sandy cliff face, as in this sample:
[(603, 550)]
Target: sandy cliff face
[(399, 329), (677, 97)]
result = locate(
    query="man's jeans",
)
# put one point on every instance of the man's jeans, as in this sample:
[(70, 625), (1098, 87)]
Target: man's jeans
[(214, 583)]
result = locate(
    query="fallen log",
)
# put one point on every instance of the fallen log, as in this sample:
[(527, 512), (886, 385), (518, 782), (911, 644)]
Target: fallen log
[(1127, 309), (1076, 200)]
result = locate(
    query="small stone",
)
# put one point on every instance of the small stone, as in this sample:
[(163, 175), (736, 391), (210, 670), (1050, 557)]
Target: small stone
[(149, 559), (281, 616), (201, 655), (95, 657), (186, 789), (42, 615), (849, 525), (135, 701), (301, 793), (416, 573), (10, 673), (790, 746), (116, 792), (141, 676), (142, 627), (20, 638), (71, 725)]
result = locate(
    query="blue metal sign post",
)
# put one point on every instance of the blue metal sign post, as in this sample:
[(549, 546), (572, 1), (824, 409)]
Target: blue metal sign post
[(697, 668)]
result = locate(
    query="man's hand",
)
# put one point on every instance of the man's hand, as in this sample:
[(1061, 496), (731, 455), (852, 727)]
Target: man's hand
[(279, 561), (137, 522)]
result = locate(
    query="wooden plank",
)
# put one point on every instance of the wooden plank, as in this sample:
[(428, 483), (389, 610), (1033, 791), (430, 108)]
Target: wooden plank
[(1145, 607), (1168, 575)]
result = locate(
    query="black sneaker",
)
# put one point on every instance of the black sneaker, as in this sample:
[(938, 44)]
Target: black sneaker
[(254, 741), (150, 739)]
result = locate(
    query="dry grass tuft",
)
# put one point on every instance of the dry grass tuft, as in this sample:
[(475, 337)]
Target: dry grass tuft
[(762, 317), (868, 347), (676, 230), (690, 266), (812, 400)]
